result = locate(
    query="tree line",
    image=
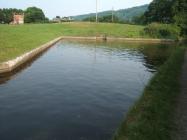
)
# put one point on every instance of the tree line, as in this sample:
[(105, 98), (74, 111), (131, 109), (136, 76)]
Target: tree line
[(166, 12), (107, 18), (32, 15)]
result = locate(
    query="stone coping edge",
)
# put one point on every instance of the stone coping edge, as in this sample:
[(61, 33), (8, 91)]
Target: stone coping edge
[(101, 38), (10, 65)]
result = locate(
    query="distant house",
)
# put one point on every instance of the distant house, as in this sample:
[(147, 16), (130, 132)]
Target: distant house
[(57, 19), (67, 19), (18, 19)]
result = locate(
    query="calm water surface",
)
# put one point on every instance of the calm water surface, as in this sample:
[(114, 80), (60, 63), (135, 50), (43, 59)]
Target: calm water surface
[(76, 90)]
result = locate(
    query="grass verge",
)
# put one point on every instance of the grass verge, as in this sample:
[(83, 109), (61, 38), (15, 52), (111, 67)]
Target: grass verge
[(151, 116), (18, 39)]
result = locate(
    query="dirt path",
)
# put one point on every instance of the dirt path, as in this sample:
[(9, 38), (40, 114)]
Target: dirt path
[(181, 110)]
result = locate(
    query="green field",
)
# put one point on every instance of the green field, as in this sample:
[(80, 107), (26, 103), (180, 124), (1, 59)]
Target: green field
[(17, 39)]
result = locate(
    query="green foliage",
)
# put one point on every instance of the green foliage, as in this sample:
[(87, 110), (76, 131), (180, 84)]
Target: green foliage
[(140, 19), (169, 12), (160, 11), (157, 30), (151, 117), (107, 18), (180, 18), (91, 19), (1, 16), (6, 15), (34, 15)]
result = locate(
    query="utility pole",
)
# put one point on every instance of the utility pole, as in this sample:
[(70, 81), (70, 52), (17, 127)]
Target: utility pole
[(96, 13), (112, 14)]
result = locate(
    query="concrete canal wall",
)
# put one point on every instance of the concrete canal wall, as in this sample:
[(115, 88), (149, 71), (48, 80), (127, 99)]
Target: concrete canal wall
[(10, 65), (101, 38)]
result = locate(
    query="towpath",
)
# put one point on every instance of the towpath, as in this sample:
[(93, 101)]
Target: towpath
[(181, 110)]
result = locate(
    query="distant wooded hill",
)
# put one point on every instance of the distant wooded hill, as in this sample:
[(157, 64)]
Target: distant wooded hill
[(123, 14)]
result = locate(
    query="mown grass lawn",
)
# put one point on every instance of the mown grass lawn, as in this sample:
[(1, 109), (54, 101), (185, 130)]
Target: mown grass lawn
[(18, 39)]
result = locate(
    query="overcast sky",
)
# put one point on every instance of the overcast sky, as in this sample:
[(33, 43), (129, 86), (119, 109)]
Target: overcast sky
[(53, 8)]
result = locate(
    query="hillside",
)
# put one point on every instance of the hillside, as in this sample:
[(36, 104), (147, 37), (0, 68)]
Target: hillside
[(123, 14)]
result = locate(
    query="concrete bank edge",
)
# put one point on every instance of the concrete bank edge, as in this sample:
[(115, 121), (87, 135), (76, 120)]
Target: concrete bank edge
[(148, 40), (13, 64)]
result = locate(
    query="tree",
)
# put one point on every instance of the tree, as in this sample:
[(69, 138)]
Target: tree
[(138, 19), (107, 18), (160, 11), (180, 18), (1, 16), (58, 17), (34, 14), (168, 11)]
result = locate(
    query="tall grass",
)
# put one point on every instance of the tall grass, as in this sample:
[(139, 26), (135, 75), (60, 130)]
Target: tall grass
[(157, 30)]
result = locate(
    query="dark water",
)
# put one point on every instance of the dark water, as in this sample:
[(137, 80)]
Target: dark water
[(76, 90)]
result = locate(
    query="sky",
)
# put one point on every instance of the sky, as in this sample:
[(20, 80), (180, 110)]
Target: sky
[(54, 8)]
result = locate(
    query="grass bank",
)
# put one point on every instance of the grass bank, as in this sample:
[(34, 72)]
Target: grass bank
[(151, 118), (16, 40)]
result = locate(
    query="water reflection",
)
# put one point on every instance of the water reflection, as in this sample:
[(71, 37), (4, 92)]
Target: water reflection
[(156, 56), (153, 55)]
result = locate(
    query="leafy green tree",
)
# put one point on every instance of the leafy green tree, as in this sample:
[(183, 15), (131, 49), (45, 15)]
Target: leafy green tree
[(160, 11), (1, 16), (138, 20), (168, 11), (91, 19), (180, 17), (58, 17), (107, 18), (33, 15)]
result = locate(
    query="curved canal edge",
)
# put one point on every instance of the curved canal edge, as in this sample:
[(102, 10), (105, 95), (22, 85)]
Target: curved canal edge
[(152, 116), (11, 65)]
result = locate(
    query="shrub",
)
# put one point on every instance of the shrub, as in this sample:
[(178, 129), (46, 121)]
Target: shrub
[(157, 30)]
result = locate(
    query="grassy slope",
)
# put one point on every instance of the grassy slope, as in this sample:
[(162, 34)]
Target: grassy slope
[(151, 117), (15, 40)]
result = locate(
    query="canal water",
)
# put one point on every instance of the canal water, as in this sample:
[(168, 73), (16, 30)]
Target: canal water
[(76, 90)]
